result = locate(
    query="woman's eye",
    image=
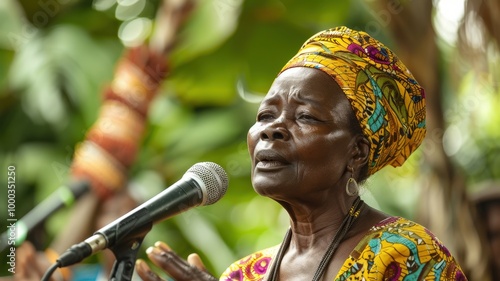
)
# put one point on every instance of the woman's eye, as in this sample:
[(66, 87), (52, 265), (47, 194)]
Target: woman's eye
[(264, 117), (307, 117)]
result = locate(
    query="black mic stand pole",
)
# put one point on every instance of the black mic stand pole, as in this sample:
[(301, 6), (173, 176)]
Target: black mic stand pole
[(125, 252)]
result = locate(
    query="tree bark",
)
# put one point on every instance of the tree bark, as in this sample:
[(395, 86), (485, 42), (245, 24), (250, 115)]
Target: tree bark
[(444, 207)]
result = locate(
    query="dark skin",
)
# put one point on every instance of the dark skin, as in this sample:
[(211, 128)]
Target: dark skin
[(303, 151)]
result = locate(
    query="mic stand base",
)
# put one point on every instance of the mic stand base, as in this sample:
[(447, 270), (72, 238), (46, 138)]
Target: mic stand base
[(126, 255)]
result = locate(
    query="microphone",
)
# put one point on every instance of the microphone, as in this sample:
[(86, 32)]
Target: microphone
[(203, 184), (63, 196)]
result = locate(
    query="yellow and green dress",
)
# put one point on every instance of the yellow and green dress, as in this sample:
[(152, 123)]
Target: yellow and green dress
[(394, 249)]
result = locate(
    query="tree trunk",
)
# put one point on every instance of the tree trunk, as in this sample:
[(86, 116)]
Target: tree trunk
[(444, 207)]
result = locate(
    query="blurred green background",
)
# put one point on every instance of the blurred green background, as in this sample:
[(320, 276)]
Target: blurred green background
[(57, 56)]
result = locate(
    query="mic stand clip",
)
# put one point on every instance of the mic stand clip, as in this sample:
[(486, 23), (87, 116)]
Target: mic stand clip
[(125, 252)]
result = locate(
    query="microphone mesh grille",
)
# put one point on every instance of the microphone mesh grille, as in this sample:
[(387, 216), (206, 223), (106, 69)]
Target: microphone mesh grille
[(214, 178)]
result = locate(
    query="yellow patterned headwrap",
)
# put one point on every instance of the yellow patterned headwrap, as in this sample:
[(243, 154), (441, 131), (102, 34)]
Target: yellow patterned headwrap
[(387, 101)]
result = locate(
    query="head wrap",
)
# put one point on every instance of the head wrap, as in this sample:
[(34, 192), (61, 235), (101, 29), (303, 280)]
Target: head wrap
[(387, 101)]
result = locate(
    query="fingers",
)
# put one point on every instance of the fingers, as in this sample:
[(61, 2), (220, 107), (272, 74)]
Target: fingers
[(164, 247), (25, 261), (145, 272), (195, 260), (180, 270), (170, 262), (32, 264)]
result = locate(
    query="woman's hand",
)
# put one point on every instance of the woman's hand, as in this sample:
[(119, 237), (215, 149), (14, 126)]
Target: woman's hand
[(31, 265), (177, 268)]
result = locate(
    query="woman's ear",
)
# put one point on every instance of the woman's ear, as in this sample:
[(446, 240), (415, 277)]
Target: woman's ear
[(360, 152)]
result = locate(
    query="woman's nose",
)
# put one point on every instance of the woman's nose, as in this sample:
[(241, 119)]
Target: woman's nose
[(275, 131)]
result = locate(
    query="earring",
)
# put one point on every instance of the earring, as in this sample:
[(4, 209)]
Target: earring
[(351, 187)]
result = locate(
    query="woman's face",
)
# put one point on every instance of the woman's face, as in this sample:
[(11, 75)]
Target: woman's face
[(299, 144)]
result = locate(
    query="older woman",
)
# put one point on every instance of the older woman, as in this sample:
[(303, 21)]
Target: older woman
[(340, 110)]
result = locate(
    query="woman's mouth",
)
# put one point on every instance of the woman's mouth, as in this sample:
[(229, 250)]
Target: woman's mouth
[(269, 164), (267, 159)]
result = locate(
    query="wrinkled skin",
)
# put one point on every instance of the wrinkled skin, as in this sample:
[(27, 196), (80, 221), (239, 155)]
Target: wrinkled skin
[(303, 150)]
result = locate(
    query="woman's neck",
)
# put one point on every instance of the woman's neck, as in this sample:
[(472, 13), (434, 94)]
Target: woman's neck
[(313, 227), (310, 249)]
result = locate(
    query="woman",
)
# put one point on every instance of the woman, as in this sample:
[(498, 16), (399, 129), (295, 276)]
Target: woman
[(340, 110)]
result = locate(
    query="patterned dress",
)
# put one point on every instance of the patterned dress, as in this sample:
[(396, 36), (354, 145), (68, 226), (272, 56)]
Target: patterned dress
[(394, 249)]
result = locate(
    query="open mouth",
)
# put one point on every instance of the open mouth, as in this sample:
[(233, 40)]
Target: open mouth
[(269, 164), (269, 159)]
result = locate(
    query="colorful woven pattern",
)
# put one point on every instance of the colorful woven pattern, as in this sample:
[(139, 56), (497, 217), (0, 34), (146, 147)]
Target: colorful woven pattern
[(399, 249), (396, 249), (251, 268)]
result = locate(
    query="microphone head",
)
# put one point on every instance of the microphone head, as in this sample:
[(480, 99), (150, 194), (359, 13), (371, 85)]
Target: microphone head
[(214, 179)]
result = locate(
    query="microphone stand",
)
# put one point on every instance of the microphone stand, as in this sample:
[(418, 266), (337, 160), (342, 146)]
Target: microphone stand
[(125, 252)]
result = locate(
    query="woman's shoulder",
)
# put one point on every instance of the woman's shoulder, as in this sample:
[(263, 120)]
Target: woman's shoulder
[(407, 238), (399, 226), (397, 247), (414, 236), (250, 268)]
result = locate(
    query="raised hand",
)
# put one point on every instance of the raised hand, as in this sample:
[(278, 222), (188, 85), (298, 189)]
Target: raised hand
[(177, 268)]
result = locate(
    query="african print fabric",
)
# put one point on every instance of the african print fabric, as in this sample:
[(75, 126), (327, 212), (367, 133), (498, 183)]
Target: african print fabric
[(396, 249), (385, 97)]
